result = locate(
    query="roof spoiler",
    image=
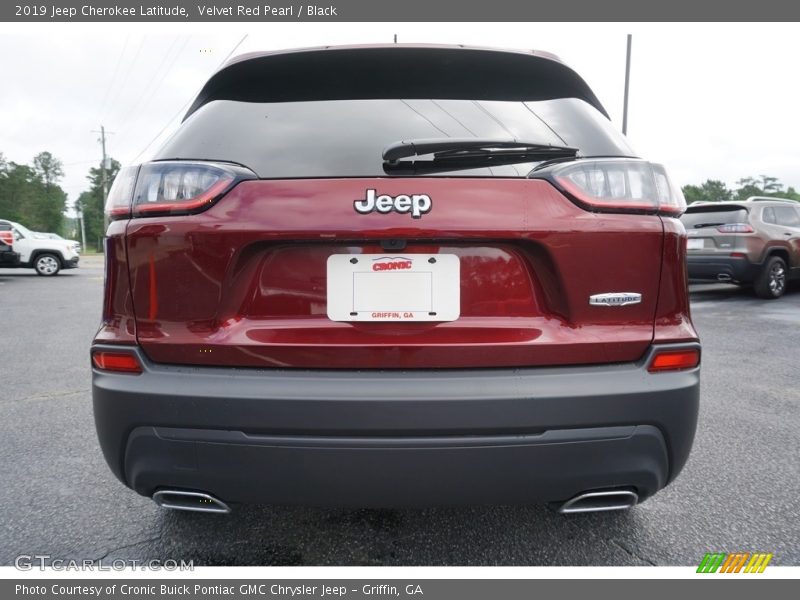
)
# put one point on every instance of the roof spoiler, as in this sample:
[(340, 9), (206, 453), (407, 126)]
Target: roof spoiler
[(394, 71), (696, 207)]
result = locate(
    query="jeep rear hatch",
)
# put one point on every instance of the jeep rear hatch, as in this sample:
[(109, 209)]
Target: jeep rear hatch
[(242, 276), (245, 282)]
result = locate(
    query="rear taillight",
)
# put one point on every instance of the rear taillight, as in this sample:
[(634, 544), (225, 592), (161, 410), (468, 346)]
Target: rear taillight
[(118, 203), (735, 228), (173, 188), (674, 360), (179, 187), (120, 362), (618, 185), (7, 237)]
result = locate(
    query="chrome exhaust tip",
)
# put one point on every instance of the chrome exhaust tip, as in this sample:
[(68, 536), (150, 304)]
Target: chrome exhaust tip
[(599, 501), (191, 501), (723, 277)]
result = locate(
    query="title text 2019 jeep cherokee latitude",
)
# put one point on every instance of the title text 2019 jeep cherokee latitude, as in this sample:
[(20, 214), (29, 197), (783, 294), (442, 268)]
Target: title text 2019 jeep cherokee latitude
[(396, 275)]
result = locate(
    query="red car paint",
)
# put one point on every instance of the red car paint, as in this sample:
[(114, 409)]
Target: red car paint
[(243, 283)]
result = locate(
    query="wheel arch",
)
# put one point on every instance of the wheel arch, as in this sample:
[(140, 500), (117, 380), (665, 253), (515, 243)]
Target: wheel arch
[(38, 252), (776, 251)]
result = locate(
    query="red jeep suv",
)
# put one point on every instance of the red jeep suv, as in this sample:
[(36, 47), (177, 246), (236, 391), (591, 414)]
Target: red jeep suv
[(396, 275)]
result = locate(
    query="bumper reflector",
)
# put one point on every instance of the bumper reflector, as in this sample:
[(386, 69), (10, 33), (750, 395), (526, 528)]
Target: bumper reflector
[(674, 360), (121, 362)]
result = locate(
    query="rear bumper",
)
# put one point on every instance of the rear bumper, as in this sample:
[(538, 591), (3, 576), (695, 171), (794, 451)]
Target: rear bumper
[(721, 268), (379, 438), (9, 259)]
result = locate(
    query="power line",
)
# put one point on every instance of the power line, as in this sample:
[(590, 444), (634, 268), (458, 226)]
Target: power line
[(128, 72), (192, 97), (145, 97), (81, 162), (149, 85), (155, 73), (114, 76)]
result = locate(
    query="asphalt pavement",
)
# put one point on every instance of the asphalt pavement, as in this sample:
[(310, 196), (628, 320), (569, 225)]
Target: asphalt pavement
[(739, 491)]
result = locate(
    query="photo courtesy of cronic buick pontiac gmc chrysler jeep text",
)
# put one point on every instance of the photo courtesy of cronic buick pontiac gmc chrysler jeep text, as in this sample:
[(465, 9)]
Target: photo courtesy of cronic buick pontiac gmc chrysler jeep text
[(393, 276)]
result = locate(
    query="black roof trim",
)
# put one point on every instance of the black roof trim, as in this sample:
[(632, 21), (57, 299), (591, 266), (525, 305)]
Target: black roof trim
[(396, 71), (699, 207)]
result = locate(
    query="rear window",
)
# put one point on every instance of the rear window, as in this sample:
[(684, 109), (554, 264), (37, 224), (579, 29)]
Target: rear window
[(346, 138), (713, 216)]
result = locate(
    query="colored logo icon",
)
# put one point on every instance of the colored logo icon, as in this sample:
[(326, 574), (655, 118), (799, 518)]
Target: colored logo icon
[(738, 562)]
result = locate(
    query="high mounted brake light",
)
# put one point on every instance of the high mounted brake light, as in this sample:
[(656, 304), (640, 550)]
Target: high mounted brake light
[(171, 188), (622, 185)]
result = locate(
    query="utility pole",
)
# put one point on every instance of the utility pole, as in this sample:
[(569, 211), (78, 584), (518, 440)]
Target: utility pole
[(83, 229), (102, 141), (103, 170), (627, 85)]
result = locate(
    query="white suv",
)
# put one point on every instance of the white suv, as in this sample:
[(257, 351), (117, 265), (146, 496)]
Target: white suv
[(47, 256)]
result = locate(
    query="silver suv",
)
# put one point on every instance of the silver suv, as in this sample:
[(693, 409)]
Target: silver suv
[(755, 242)]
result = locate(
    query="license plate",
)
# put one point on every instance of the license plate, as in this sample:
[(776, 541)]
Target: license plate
[(394, 287), (694, 244)]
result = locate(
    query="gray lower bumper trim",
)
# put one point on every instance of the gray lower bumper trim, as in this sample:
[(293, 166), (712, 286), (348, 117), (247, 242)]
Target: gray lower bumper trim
[(553, 466), (471, 419)]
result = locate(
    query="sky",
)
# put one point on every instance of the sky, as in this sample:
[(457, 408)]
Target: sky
[(710, 101)]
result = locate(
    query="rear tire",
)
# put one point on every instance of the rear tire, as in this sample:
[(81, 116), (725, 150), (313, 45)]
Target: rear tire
[(771, 281), (47, 265)]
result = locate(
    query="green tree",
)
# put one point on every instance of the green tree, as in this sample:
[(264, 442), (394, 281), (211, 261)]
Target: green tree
[(692, 193), (5, 207), (47, 212), (17, 191), (747, 187), (48, 168), (31, 195), (770, 185), (712, 190), (91, 203), (764, 185), (791, 194)]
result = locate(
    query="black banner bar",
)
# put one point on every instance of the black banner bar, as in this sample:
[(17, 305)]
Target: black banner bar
[(260, 11), (422, 589)]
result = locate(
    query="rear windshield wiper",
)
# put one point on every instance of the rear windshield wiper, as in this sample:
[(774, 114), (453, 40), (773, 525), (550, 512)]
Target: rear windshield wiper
[(457, 147), (701, 225), (467, 153)]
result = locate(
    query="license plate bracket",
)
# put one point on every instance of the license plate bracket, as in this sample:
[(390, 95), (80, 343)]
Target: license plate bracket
[(695, 244), (387, 287)]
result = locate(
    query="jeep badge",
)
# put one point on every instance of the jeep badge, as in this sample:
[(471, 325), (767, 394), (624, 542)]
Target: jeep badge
[(416, 204)]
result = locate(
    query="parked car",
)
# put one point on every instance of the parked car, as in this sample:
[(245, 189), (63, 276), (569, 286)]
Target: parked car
[(399, 275), (45, 255), (8, 258), (755, 242)]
